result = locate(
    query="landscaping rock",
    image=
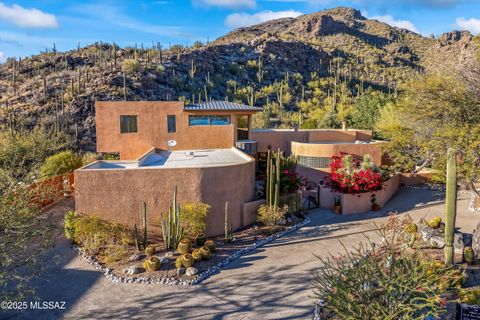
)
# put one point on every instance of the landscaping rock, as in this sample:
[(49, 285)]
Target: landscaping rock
[(476, 241), (181, 271), (191, 271), (169, 255), (132, 270), (134, 257), (436, 237), (163, 259)]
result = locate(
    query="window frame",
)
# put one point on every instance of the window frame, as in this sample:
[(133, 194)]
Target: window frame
[(129, 125), (209, 116), (174, 129)]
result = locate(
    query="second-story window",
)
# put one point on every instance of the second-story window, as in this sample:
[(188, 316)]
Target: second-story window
[(171, 124), (201, 120), (128, 124)]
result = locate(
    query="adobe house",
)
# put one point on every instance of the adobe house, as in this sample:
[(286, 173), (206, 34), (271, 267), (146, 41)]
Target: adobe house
[(206, 150)]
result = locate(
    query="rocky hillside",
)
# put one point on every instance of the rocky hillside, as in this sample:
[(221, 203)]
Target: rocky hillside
[(277, 64)]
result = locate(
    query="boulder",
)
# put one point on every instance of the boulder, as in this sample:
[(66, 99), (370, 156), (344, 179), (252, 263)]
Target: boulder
[(191, 271), (132, 270), (476, 242), (436, 237)]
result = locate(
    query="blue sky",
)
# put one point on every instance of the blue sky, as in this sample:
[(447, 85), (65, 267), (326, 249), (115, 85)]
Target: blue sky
[(28, 27)]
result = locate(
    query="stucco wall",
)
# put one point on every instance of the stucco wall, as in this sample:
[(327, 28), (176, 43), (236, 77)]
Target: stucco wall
[(118, 194), (282, 138), (374, 149), (360, 203), (152, 128)]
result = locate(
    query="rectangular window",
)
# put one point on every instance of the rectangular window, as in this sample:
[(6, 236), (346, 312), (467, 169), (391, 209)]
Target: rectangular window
[(208, 120), (172, 124), (219, 120), (199, 120), (128, 124)]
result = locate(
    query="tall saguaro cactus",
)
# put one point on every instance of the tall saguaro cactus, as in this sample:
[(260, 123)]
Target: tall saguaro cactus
[(451, 205), (272, 186)]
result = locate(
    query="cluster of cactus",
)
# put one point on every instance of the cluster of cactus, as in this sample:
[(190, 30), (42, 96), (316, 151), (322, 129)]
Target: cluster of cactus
[(145, 241), (228, 227), (451, 205), (171, 229), (152, 264), (469, 255), (435, 222), (272, 186)]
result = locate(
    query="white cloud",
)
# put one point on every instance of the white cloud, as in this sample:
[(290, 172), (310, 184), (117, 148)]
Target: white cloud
[(27, 18), (2, 57), (472, 25), (237, 20), (226, 4), (388, 19)]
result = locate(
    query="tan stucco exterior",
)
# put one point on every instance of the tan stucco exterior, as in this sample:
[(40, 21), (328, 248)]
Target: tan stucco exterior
[(152, 128), (118, 194), (283, 138)]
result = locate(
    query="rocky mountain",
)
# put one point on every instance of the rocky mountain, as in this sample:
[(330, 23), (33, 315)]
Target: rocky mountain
[(274, 63)]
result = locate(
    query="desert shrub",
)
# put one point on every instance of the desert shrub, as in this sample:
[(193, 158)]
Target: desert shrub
[(384, 281), (130, 65), (269, 215), (193, 217), (100, 237), (69, 222), (89, 157), (60, 163)]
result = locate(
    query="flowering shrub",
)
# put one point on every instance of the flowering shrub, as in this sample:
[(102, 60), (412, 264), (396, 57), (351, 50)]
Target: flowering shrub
[(290, 181), (349, 176)]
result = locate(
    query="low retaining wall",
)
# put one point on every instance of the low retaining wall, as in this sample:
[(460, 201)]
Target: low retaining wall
[(360, 202)]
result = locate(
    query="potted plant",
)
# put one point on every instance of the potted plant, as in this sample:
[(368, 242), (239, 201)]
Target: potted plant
[(337, 208)]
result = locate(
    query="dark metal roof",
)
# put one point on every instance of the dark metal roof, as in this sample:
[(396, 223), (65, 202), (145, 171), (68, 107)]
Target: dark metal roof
[(220, 106)]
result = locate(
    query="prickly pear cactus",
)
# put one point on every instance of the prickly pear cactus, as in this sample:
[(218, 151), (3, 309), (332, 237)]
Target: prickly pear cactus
[(185, 246)]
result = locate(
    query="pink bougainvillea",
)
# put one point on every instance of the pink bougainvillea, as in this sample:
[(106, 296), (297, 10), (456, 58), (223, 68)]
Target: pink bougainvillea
[(349, 176)]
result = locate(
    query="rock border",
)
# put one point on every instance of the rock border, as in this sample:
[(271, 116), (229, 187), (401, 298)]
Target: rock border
[(107, 272)]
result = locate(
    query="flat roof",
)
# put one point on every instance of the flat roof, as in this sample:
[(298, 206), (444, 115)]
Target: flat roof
[(177, 159)]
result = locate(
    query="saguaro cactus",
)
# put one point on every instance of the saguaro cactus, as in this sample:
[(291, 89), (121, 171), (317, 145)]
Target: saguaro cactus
[(171, 229), (451, 205), (272, 186), (228, 227)]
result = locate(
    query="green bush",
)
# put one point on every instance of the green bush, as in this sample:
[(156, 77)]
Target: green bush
[(69, 221), (99, 237), (89, 157), (270, 216), (386, 281), (130, 65), (60, 163), (193, 217)]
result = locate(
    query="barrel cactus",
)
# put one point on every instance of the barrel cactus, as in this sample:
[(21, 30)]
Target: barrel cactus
[(178, 263), (152, 264), (435, 222), (187, 260), (185, 246), (411, 228), (211, 245), (150, 250), (200, 239), (205, 252), (469, 255), (197, 255)]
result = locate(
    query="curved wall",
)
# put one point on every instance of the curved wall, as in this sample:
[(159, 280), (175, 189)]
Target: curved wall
[(118, 194)]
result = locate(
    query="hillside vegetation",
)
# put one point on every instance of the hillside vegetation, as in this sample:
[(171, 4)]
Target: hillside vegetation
[(318, 70)]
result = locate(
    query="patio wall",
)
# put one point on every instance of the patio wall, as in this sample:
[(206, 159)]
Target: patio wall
[(118, 194), (360, 203)]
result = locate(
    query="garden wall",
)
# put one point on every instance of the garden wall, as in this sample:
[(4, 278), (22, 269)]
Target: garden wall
[(118, 194), (360, 203)]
